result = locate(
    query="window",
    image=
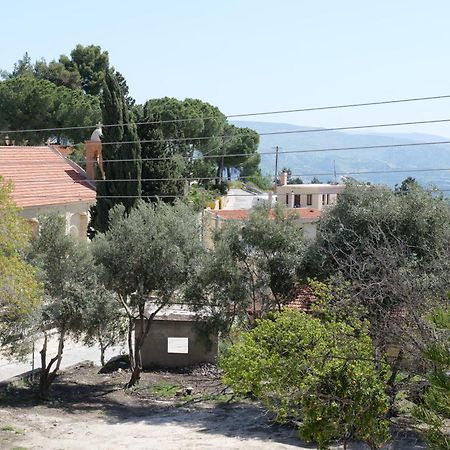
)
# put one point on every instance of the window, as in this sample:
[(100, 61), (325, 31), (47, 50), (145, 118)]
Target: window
[(287, 199), (308, 199), (328, 199), (297, 201), (177, 345), (323, 199)]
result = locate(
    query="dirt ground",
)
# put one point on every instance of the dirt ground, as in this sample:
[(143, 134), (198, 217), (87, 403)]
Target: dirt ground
[(190, 410)]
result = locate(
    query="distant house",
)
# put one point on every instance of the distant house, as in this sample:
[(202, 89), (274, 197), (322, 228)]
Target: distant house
[(46, 182), (315, 196), (215, 219)]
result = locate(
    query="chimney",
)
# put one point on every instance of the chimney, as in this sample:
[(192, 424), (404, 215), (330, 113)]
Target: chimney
[(283, 179), (93, 155)]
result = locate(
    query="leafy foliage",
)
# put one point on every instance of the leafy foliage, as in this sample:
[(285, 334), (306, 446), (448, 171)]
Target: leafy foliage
[(124, 146), (145, 256), (66, 270), (84, 69), (20, 292), (252, 268), (28, 103), (104, 322), (392, 253), (435, 409), (321, 373)]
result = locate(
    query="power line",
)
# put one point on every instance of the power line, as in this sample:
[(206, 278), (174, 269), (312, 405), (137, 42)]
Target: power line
[(274, 133), (143, 196), (207, 156), (230, 116), (194, 178), (373, 172)]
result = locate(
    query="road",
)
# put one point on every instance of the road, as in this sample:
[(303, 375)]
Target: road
[(239, 199), (74, 352)]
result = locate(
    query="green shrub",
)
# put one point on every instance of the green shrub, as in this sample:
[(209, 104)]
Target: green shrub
[(321, 374)]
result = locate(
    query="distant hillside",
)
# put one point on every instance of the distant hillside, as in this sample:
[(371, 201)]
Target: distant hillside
[(390, 158)]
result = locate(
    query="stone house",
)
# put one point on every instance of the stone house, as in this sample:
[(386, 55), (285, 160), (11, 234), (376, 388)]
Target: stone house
[(46, 182)]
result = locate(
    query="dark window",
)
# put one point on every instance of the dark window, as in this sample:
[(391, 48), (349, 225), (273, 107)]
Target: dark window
[(328, 199), (308, 199), (323, 199), (297, 201), (287, 199)]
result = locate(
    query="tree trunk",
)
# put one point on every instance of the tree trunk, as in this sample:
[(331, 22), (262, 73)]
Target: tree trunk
[(130, 341), (229, 173), (102, 350), (140, 334), (46, 377)]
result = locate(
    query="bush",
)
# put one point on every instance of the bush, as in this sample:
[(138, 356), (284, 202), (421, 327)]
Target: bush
[(321, 374), (434, 410)]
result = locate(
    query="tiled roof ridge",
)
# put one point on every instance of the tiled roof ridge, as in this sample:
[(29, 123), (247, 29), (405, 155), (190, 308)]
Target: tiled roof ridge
[(56, 180)]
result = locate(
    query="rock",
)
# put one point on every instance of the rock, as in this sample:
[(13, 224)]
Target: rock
[(116, 363), (189, 390)]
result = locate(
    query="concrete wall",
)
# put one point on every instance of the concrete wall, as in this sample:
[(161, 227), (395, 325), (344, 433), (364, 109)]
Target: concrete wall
[(76, 216), (155, 348)]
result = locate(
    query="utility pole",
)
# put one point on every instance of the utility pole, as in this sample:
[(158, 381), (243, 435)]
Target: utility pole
[(334, 169), (276, 164)]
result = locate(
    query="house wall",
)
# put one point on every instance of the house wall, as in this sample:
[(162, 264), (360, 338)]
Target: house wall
[(155, 349), (76, 216), (321, 194)]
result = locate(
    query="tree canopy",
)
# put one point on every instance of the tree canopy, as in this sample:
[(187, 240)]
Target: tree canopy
[(20, 292), (123, 178), (146, 255), (29, 103), (252, 268), (391, 254), (84, 69)]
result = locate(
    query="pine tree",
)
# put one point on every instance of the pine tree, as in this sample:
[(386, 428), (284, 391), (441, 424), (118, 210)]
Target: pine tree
[(125, 147)]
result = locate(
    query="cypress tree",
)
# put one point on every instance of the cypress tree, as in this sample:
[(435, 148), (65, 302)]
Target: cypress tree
[(126, 146), (159, 176)]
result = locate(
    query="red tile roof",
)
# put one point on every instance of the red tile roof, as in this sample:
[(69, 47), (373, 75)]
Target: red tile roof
[(242, 214), (301, 299), (42, 176)]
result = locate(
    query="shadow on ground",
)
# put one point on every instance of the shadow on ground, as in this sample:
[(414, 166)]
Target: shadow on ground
[(108, 399)]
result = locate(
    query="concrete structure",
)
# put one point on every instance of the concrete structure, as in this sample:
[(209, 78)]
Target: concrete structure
[(46, 182), (212, 220), (94, 159), (315, 196), (176, 340)]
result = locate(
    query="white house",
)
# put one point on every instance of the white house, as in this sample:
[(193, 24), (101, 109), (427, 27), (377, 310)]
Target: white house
[(314, 196), (46, 182)]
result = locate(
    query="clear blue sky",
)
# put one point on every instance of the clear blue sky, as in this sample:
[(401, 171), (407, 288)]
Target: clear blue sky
[(257, 55)]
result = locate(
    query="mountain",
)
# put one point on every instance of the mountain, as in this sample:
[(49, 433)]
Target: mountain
[(347, 162)]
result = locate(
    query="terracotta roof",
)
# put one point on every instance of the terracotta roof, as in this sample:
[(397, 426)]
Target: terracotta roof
[(301, 298), (42, 176), (243, 214)]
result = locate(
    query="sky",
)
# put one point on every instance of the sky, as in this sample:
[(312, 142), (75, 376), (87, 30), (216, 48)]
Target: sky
[(248, 56)]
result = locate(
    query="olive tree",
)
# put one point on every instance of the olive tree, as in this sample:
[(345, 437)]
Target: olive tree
[(146, 255), (252, 268), (393, 251), (65, 267)]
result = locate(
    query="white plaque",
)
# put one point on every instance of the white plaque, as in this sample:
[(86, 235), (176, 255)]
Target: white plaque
[(177, 345)]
